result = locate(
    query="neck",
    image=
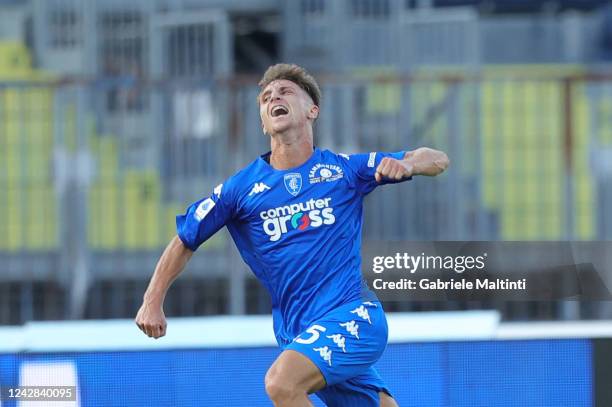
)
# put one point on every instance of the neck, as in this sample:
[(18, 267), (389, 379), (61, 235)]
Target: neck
[(291, 149)]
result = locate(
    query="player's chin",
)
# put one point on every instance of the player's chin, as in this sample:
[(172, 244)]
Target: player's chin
[(280, 126)]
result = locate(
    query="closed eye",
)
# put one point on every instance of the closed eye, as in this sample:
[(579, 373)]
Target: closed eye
[(265, 97)]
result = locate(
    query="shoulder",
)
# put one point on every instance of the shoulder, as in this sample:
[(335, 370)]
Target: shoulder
[(336, 162), (332, 157), (234, 186), (247, 173), (238, 186)]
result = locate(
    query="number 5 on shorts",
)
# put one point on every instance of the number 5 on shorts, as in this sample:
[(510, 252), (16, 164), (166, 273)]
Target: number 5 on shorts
[(314, 331)]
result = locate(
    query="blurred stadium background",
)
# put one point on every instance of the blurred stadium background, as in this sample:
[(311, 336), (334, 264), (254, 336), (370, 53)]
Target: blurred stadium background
[(115, 115)]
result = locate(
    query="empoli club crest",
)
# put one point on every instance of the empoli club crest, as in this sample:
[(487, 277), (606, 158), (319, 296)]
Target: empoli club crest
[(293, 183)]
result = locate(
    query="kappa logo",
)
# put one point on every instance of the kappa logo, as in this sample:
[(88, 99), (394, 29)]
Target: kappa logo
[(325, 353), (217, 190), (352, 328), (324, 173), (362, 312), (293, 183), (339, 340), (346, 156), (203, 208), (258, 188)]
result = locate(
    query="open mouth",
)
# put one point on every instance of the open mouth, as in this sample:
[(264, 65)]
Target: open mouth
[(279, 111)]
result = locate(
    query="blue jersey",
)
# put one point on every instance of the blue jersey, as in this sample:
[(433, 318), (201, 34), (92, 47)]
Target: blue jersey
[(299, 230)]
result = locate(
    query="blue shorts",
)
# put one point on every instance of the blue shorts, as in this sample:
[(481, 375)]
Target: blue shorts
[(344, 345)]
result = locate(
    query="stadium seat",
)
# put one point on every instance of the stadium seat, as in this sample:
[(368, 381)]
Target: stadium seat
[(381, 98), (28, 211), (141, 198), (584, 202), (522, 153)]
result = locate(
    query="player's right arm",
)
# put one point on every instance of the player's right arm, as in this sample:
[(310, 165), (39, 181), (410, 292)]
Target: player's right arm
[(150, 318), (201, 220)]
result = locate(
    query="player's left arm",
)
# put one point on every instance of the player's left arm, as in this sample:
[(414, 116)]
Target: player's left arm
[(422, 161)]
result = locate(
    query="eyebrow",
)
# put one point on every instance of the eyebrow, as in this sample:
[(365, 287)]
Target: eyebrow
[(270, 91)]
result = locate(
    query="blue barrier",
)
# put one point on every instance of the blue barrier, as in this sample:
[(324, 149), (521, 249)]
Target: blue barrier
[(446, 374)]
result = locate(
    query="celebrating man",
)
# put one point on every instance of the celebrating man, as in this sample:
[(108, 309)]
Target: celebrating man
[(295, 215)]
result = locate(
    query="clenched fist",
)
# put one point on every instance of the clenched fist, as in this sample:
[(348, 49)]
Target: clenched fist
[(151, 320), (393, 169)]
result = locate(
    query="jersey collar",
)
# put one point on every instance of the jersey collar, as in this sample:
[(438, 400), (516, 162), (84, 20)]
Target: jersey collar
[(264, 160)]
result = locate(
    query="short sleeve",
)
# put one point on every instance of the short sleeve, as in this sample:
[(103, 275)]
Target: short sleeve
[(205, 217), (363, 167)]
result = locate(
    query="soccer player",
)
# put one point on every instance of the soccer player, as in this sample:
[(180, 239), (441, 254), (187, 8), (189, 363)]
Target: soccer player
[(295, 215)]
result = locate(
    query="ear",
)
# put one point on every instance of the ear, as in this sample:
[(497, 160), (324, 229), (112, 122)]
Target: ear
[(313, 113)]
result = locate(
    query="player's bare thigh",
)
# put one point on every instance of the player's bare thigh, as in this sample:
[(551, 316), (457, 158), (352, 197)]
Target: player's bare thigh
[(386, 400), (295, 371)]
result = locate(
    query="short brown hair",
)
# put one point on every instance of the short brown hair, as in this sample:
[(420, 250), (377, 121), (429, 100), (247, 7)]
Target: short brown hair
[(295, 74)]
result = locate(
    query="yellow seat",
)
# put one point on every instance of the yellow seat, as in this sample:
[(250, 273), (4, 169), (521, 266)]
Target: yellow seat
[(141, 199), (521, 150), (28, 206)]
